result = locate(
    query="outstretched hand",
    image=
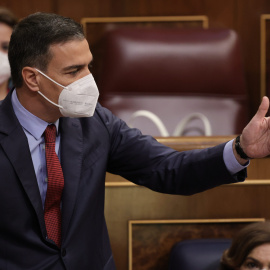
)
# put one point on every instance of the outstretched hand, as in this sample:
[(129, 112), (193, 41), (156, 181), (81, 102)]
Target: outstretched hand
[(255, 138)]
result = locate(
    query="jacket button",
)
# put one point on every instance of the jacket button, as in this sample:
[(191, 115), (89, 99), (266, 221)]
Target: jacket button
[(64, 252)]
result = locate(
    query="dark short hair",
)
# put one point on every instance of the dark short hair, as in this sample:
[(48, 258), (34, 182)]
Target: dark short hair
[(250, 237), (7, 17), (31, 40)]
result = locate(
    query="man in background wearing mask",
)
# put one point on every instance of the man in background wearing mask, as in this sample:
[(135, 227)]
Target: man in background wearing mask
[(57, 142), (7, 22)]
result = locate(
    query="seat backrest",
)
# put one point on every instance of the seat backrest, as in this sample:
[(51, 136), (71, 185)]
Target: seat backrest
[(198, 254), (174, 73)]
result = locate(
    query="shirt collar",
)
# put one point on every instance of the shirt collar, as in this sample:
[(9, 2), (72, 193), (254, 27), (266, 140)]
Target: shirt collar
[(34, 125)]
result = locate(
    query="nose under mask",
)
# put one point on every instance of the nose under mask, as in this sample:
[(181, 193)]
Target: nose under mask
[(78, 99)]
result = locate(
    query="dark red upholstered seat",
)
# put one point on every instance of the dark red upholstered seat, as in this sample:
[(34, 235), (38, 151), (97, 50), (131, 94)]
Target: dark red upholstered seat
[(173, 73)]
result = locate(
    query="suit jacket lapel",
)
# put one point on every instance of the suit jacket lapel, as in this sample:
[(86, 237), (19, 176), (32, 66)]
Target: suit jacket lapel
[(71, 160), (14, 142)]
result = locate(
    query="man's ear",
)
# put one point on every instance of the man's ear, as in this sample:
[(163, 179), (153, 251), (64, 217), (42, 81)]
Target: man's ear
[(30, 78)]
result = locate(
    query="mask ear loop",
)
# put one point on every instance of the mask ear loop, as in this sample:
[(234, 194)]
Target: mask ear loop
[(49, 78), (57, 105)]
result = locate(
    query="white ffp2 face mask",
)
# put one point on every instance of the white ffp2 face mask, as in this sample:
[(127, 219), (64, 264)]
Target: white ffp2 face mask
[(78, 99), (4, 67)]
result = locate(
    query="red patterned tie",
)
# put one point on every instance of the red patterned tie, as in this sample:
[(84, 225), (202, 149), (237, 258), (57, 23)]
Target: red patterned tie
[(52, 212)]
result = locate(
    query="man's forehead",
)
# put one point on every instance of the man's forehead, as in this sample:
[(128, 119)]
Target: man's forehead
[(73, 44), (71, 53)]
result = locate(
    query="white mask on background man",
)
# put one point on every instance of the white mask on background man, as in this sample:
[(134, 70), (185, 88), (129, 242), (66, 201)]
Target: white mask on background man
[(4, 68), (78, 99)]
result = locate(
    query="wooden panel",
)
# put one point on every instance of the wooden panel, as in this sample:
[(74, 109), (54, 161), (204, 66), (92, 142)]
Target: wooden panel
[(247, 24), (87, 8), (158, 7), (123, 204), (108, 8), (221, 13), (26, 7), (96, 27), (265, 54)]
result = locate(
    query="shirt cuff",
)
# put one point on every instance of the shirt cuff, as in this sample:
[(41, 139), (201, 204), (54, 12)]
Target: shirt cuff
[(230, 161)]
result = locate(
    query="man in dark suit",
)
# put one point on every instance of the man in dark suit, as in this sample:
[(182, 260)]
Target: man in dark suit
[(52, 216)]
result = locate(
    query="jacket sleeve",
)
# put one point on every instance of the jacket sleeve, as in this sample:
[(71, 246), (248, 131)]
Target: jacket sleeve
[(144, 161)]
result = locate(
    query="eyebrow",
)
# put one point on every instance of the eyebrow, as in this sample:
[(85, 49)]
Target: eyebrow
[(252, 259), (68, 68)]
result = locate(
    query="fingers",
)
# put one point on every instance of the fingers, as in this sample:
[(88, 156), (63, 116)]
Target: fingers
[(263, 108)]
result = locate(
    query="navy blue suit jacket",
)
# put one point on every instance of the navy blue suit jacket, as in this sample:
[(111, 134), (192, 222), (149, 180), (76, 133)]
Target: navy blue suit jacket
[(89, 148)]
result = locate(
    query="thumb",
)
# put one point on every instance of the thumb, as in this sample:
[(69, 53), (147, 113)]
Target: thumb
[(263, 108)]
